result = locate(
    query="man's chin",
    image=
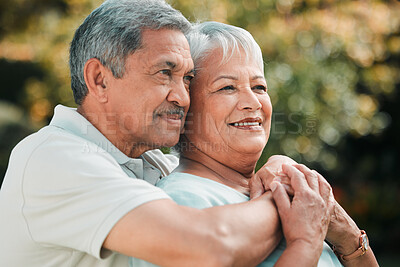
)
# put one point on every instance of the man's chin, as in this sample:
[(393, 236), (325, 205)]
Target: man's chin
[(168, 141)]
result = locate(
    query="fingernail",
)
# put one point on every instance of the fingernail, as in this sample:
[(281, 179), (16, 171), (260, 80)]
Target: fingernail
[(273, 186)]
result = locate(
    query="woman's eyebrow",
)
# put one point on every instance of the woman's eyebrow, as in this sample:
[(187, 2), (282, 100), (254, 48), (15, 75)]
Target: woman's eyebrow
[(258, 77), (236, 78), (226, 77)]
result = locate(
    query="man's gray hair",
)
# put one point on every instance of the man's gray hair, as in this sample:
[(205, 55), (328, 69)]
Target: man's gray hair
[(207, 36), (113, 31)]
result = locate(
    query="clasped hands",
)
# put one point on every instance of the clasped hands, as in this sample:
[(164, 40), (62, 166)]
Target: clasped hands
[(306, 205)]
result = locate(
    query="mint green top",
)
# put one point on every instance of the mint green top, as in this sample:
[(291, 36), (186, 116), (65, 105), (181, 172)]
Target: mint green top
[(198, 192)]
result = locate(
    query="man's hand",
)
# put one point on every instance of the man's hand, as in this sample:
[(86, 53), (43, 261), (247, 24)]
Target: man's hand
[(261, 180)]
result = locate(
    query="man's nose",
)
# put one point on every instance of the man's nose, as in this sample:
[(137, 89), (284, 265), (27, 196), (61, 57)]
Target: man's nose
[(179, 94)]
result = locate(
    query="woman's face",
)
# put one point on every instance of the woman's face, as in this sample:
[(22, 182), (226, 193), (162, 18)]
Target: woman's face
[(230, 110)]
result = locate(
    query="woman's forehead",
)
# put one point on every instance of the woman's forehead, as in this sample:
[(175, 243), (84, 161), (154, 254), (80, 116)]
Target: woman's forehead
[(217, 57)]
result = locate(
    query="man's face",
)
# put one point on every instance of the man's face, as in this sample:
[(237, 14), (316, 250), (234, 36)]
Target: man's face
[(151, 100)]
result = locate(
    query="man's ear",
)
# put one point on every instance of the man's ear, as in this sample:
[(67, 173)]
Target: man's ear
[(95, 78)]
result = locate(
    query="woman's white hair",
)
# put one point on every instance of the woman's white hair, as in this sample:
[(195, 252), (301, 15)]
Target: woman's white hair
[(207, 36)]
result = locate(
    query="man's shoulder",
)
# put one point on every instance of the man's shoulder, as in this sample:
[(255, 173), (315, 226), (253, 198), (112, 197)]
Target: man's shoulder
[(34, 141), (53, 145), (51, 136)]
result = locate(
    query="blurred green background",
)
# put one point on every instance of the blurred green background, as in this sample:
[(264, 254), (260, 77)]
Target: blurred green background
[(333, 72)]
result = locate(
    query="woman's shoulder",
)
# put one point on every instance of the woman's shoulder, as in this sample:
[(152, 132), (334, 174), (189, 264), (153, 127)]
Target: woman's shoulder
[(198, 192)]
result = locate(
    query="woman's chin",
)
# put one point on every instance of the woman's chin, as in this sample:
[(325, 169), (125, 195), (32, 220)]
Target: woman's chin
[(249, 147)]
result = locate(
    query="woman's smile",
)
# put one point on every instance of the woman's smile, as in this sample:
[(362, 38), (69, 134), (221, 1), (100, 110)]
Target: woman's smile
[(253, 124)]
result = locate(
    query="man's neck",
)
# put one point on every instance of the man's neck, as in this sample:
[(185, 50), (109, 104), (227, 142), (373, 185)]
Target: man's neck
[(124, 144)]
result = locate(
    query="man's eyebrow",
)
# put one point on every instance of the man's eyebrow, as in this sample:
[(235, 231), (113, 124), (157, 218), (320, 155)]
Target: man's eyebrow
[(165, 64), (192, 71), (170, 64)]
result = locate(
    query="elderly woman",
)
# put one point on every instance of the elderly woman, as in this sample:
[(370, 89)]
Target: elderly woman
[(227, 127)]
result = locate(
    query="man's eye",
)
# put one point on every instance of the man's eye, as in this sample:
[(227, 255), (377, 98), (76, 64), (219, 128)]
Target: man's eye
[(165, 72), (260, 88), (229, 87), (188, 78)]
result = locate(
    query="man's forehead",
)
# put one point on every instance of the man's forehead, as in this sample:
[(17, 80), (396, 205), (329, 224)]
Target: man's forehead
[(165, 38), (164, 41)]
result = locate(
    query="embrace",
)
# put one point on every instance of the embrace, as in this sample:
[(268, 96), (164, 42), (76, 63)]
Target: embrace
[(93, 189)]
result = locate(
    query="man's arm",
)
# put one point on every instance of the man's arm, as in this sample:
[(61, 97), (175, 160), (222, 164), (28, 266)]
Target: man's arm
[(168, 234)]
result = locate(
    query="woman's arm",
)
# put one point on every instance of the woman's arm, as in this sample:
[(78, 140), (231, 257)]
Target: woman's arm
[(344, 234)]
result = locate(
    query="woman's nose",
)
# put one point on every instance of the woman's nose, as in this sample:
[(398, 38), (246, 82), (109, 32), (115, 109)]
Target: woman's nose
[(249, 100)]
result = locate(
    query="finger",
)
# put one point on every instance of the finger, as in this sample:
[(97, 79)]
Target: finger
[(285, 181), (325, 190), (281, 199), (289, 189), (266, 175), (256, 187), (296, 177), (311, 177), (278, 160), (266, 171)]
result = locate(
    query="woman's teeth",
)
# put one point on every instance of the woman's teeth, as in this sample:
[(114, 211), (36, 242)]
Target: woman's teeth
[(246, 124)]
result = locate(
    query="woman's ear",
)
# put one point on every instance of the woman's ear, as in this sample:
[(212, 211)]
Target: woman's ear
[(95, 78)]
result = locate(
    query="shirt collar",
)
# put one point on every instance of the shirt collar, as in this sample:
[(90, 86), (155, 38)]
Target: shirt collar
[(71, 120)]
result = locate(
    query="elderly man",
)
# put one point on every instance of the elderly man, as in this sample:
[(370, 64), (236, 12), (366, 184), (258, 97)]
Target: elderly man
[(69, 197)]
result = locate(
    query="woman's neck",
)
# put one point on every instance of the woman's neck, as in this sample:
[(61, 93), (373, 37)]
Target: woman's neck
[(196, 162)]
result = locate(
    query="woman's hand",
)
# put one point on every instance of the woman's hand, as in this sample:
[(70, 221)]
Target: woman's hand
[(342, 232), (261, 180), (305, 218)]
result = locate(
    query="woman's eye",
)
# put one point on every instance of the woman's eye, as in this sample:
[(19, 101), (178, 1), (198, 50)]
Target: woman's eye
[(229, 87), (260, 88)]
